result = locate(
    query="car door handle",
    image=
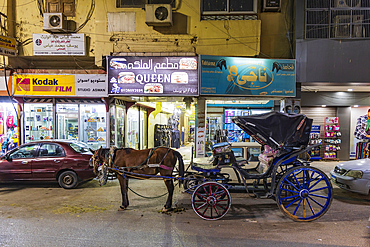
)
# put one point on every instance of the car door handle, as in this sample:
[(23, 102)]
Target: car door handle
[(56, 161), (24, 162)]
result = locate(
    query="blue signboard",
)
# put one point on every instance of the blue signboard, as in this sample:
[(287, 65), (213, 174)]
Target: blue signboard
[(152, 76), (239, 76)]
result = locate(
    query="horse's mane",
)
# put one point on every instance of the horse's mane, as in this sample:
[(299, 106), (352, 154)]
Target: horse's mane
[(102, 152)]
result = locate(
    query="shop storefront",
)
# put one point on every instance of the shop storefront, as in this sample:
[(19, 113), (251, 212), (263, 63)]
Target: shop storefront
[(247, 86), (68, 107), (153, 90)]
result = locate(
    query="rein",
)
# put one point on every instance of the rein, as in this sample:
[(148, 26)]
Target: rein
[(108, 164)]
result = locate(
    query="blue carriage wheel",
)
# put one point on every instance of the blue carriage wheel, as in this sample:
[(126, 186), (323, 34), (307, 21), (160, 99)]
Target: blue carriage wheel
[(211, 201), (304, 193)]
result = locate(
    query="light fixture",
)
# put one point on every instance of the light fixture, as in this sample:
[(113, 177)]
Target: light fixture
[(349, 89), (323, 105), (355, 106)]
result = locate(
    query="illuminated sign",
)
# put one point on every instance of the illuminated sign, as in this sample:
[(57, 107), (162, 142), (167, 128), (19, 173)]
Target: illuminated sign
[(50, 85), (7, 46), (239, 76), (153, 76)]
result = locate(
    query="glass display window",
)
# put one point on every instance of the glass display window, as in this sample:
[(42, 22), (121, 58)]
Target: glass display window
[(67, 121), (38, 121), (93, 125), (132, 140)]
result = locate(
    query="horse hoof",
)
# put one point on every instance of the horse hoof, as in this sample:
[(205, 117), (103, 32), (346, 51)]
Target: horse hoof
[(164, 210), (121, 208)]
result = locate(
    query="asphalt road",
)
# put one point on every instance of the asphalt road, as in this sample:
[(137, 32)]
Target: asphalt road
[(47, 215)]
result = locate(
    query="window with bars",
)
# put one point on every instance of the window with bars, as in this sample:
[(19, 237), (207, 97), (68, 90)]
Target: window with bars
[(141, 3), (232, 9), (337, 19)]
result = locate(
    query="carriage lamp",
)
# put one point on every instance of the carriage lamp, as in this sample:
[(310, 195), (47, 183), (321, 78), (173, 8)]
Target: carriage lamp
[(354, 174)]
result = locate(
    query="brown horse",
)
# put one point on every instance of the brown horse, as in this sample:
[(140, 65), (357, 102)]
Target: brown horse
[(160, 160)]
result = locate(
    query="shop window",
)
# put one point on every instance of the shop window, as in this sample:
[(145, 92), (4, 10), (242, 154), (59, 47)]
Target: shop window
[(93, 124), (38, 121), (228, 9), (67, 7), (141, 3)]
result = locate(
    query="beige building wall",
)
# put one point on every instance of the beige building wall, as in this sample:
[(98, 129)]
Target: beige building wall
[(188, 33)]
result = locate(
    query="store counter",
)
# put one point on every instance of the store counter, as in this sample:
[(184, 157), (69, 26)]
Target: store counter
[(245, 146)]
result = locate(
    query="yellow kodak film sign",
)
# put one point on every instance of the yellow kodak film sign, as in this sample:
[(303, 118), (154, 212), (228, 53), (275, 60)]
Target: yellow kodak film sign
[(51, 85)]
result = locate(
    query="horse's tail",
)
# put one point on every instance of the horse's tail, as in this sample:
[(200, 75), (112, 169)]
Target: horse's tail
[(181, 166)]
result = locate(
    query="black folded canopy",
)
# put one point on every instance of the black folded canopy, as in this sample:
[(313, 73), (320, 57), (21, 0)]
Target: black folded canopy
[(277, 129)]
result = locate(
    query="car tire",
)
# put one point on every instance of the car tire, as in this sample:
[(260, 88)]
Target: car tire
[(68, 180)]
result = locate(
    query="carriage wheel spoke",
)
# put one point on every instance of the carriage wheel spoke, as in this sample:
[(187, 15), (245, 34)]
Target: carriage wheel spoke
[(220, 206), (316, 202), (214, 207), (299, 185), (201, 206), (218, 196), (206, 209), (216, 191), (299, 203), (292, 184), (318, 181), (292, 191), (323, 188), (289, 197), (287, 206), (309, 204)]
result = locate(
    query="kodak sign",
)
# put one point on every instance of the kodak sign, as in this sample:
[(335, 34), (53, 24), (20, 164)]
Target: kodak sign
[(40, 85)]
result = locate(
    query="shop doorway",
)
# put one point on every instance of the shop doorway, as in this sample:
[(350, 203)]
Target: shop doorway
[(67, 121)]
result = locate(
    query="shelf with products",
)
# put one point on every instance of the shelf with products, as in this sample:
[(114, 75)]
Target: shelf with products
[(38, 122), (315, 138), (235, 134), (332, 139)]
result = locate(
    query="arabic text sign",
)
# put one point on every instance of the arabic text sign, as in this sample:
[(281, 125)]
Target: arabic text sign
[(7, 46), (59, 44), (247, 76), (93, 85), (50, 85), (152, 76)]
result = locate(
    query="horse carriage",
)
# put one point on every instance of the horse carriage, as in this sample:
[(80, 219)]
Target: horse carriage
[(302, 192)]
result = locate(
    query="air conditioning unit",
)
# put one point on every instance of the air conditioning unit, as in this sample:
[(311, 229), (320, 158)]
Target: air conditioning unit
[(158, 14), (55, 23), (342, 27), (347, 3)]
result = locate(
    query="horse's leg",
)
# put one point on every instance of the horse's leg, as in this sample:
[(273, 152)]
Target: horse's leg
[(170, 188), (123, 182)]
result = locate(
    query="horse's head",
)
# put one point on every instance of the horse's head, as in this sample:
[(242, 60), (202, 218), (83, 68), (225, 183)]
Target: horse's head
[(97, 160)]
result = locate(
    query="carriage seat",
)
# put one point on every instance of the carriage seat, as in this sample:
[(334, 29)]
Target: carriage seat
[(241, 161)]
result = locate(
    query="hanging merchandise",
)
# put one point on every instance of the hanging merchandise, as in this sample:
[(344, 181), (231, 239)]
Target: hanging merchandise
[(10, 122), (1, 126)]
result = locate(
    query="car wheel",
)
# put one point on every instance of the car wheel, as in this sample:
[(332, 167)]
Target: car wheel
[(68, 180)]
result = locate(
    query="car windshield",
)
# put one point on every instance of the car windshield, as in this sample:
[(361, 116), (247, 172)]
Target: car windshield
[(80, 147)]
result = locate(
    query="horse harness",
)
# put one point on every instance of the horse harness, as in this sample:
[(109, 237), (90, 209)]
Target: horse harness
[(108, 164)]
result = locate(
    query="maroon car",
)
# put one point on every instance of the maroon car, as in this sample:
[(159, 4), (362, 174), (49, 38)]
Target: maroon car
[(66, 162)]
